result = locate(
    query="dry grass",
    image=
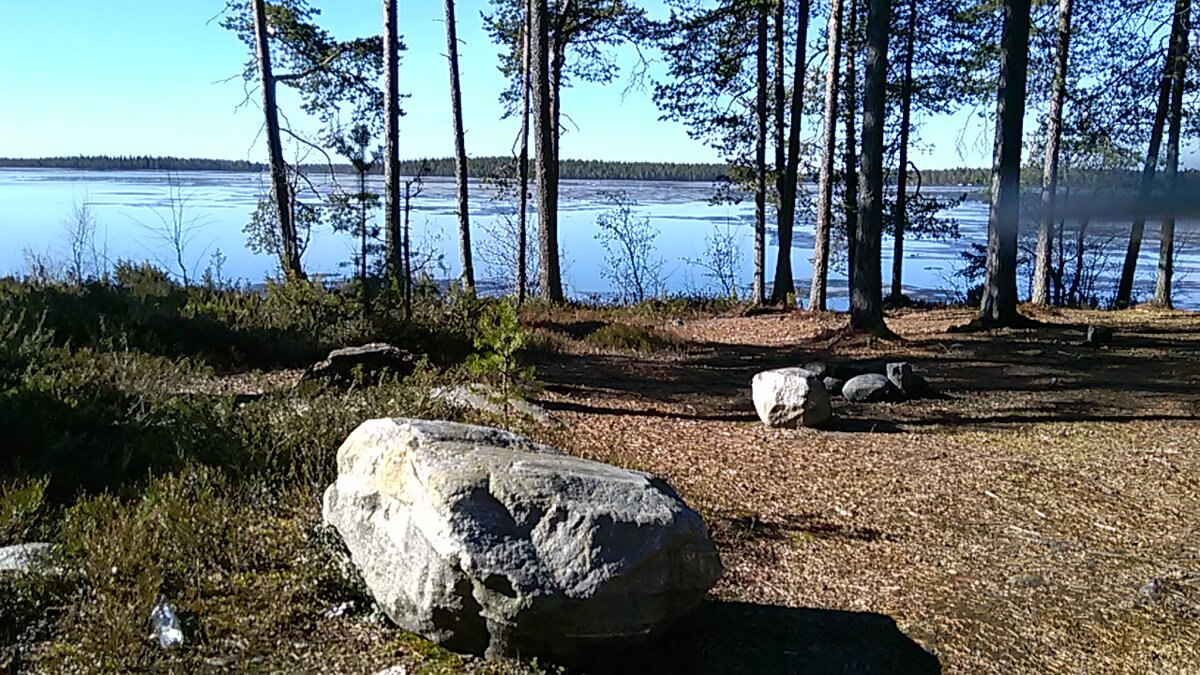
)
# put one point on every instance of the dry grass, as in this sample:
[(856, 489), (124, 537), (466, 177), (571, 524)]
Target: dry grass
[(1011, 527)]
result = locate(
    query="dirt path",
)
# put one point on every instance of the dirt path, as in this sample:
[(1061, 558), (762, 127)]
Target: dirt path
[(1043, 518)]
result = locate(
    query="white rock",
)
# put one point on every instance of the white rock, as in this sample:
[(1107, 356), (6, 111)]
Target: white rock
[(481, 397), (791, 397), (25, 557), (484, 541)]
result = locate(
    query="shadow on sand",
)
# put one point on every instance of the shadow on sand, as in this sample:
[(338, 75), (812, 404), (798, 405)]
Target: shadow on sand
[(738, 637)]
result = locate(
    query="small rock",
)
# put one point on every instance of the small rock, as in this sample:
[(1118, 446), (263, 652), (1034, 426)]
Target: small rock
[(1097, 335), (834, 385), (869, 388), (394, 670), (790, 397), (370, 360), (339, 610), (818, 368), (1027, 581), (1154, 590), (25, 557), (481, 397), (902, 377)]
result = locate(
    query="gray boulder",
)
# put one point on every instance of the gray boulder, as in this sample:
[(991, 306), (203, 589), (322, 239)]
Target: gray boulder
[(369, 360), (834, 385), (790, 397), (486, 542), (869, 388)]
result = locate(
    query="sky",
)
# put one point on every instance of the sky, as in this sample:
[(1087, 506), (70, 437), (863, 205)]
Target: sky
[(161, 77)]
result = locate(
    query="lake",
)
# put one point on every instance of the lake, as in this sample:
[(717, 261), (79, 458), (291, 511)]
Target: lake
[(34, 204)]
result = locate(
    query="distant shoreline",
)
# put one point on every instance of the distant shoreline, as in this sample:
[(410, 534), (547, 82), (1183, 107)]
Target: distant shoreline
[(570, 169)]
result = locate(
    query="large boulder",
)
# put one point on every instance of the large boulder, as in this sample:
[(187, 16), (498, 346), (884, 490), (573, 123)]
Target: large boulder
[(369, 360), (790, 397), (486, 542), (869, 388)]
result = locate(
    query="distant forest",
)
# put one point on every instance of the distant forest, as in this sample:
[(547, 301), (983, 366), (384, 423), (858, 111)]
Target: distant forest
[(580, 169)]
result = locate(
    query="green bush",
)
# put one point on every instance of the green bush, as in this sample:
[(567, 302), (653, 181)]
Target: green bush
[(629, 337)]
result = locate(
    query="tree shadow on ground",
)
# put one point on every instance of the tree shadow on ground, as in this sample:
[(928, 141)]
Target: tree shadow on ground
[(739, 637)]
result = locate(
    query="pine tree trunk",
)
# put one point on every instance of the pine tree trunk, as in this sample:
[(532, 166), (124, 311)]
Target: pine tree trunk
[(523, 160), (999, 305), (760, 167), (1166, 248), (545, 131), (850, 110), (281, 192), (866, 295), (392, 202), (817, 291), (1045, 242), (1149, 168), (784, 279), (782, 287), (901, 214), (460, 152)]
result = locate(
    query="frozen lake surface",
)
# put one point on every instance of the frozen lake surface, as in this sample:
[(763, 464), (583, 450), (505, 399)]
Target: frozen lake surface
[(35, 203)]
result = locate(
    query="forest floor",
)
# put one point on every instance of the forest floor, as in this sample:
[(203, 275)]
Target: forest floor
[(1042, 517)]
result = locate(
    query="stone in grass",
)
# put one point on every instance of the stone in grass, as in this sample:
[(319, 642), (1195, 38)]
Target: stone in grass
[(369, 360), (1098, 335), (869, 388), (790, 397), (904, 378), (834, 385), (23, 558), (485, 542), (486, 399)]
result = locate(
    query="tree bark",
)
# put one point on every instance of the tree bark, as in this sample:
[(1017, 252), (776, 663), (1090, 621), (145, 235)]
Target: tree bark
[(850, 172), (523, 160), (760, 166), (392, 201), (1045, 242), (901, 214), (781, 288), (1149, 168), (998, 308), (281, 192), (460, 152), (1166, 248), (817, 291), (545, 131), (784, 279), (866, 296)]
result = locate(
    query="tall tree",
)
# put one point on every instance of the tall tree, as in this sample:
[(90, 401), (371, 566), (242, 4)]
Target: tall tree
[(866, 294), (760, 165), (1054, 123), (785, 284), (906, 95), (460, 152), (1149, 167), (850, 118), (998, 307), (1166, 250), (332, 77), (818, 290), (523, 159), (392, 200), (573, 36), (281, 193), (544, 131)]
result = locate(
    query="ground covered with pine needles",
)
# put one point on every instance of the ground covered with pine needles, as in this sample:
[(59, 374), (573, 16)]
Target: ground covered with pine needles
[(1040, 517)]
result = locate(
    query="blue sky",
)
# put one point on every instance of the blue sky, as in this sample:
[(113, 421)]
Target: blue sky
[(134, 77)]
